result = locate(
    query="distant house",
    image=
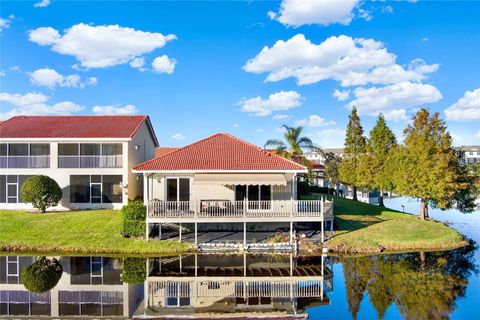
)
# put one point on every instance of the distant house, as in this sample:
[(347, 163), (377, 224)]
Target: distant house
[(224, 180), (90, 157), (471, 154)]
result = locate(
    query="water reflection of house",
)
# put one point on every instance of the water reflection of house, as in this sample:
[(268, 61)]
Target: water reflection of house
[(219, 287), (89, 286)]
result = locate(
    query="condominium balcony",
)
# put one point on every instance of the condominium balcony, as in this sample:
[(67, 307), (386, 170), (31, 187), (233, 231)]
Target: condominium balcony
[(239, 210), (11, 162), (103, 161)]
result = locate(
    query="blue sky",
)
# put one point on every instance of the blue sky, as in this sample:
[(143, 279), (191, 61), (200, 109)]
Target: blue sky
[(244, 67)]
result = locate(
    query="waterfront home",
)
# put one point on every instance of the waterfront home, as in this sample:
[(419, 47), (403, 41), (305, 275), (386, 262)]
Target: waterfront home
[(88, 287), (90, 157), (224, 184)]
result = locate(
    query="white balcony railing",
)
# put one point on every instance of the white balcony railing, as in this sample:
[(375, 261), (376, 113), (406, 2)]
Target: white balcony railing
[(24, 162), (239, 209), (114, 161)]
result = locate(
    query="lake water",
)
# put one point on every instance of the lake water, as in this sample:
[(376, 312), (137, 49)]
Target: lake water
[(433, 285)]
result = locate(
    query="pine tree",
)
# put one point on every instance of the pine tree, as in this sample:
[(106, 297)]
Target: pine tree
[(427, 165), (354, 149), (375, 169)]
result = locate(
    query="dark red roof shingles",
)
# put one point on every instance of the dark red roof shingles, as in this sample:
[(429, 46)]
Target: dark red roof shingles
[(161, 151), (220, 152), (72, 126)]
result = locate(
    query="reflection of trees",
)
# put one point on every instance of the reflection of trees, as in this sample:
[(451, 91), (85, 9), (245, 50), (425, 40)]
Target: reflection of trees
[(42, 275), (422, 285)]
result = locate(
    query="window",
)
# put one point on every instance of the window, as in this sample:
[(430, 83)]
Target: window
[(111, 149), (39, 149), (178, 189), (253, 193), (68, 149), (3, 149), (18, 149), (10, 186), (90, 149), (95, 189)]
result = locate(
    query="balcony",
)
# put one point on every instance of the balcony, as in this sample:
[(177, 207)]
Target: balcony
[(26, 162), (113, 161), (224, 209)]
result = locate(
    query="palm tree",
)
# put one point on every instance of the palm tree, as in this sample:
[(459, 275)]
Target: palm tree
[(293, 146)]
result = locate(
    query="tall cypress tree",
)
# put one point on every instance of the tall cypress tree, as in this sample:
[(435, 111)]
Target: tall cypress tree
[(354, 149), (427, 165), (376, 164)]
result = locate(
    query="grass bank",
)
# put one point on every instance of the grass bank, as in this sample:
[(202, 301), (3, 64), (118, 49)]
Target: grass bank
[(365, 228), (95, 231)]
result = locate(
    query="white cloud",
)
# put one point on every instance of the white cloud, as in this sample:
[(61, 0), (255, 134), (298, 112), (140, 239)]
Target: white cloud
[(330, 138), (42, 4), (259, 130), (341, 95), (236, 125), (50, 78), (178, 136), (365, 14), (2, 73), (387, 9), (314, 121), (390, 100), (477, 135), (396, 115), (350, 61), (283, 100), (34, 103), (466, 108), (138, 63), (164, 64), (100, 46), (5, 23), (424, 39), (296, 13), (115, 110), (279, 117)]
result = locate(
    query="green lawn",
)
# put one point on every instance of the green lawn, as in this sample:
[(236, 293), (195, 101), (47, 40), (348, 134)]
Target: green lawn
[(364, 228), (96, 231)]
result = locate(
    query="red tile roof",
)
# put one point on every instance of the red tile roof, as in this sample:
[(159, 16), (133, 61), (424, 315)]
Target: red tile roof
[(220, 152), (73, 126), (161, 151)]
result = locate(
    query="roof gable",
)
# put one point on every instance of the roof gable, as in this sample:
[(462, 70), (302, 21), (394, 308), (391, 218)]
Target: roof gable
[(73, 126), (220, 152)]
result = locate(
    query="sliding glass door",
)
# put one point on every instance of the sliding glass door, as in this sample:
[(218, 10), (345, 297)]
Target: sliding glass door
[(178, 189)]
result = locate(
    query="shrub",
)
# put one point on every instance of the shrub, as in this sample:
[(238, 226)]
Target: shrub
[(42, 192), (133, 228), (134, 270), (134, 210), (42, 275), (133, 219)]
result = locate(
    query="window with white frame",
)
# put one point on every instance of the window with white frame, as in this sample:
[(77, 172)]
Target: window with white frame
[(95, 189), (10, 187)]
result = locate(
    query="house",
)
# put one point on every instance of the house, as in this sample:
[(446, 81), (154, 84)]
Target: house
[(223, 183), (90, 157), (235, 286), (90, 287), (471, 154)]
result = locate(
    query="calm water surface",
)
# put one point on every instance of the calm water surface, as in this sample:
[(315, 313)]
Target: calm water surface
[(433, 285)]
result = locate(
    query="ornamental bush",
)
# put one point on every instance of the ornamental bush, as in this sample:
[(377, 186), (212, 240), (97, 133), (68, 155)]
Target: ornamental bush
[(134, 270), (133, 219), (42, 192), (42, 275)]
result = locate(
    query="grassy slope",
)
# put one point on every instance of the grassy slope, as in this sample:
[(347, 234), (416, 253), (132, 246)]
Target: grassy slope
[(96, 231), (367, 228)]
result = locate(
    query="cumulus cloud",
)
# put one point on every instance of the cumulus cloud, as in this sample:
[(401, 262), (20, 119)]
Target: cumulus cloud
[(350, 61), (115, 110), (50, 78), (283, 100), (341, 95), (296, 13), (34, 103), (330, 138), (178, 136), (42, 4), (392, 100), (5, 23), (138, 63), (314, 121), (164, 64), (279, 117), (100, 46), (466, 108)]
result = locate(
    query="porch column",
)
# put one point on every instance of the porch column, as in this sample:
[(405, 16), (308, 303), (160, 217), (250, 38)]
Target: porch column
[(180, 233), (322, 230), (196, 242), (147, 229), (331, 225), (244, 235), (291, 232), (145, 189), (159, 231)]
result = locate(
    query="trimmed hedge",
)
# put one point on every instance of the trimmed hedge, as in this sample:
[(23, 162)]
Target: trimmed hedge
[(133, 228), (134, 270), (42, 275), (42, 192), (134, 210), (133, 219)]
